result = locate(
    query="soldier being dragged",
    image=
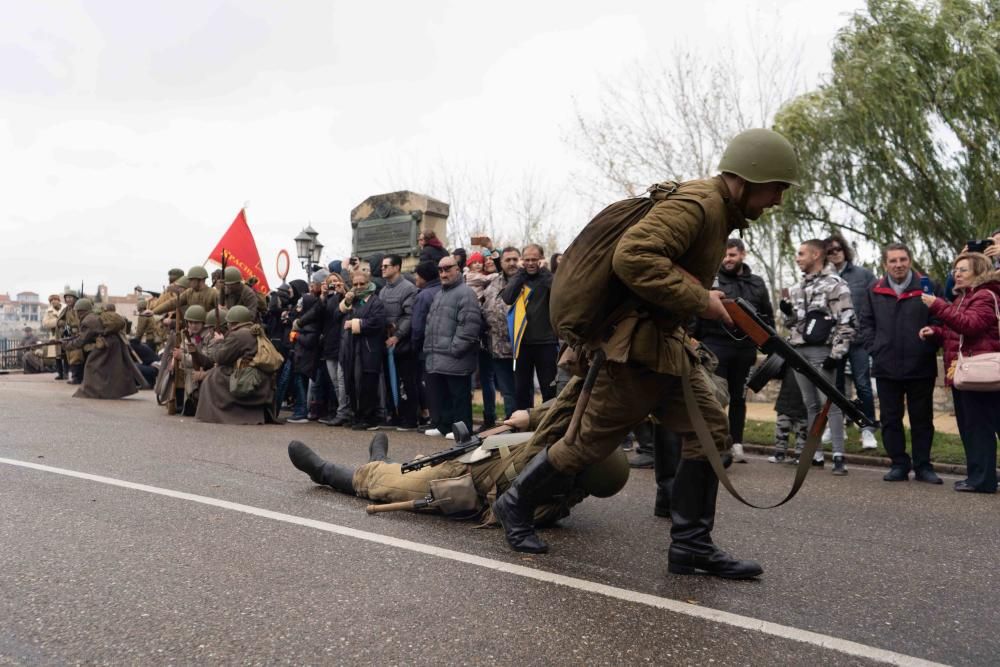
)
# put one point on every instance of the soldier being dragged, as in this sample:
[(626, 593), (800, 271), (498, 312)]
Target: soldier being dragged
[(483, 474)]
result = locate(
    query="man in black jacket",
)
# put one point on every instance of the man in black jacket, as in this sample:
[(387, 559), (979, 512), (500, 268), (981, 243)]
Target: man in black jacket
[(536, 347), (736, 352), (904, 366)]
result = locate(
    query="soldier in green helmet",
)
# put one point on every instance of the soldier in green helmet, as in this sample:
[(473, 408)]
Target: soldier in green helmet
[(217, 403), (668, 261), (491, 468), (148, 329), (197, 293), (109, 371), (238, 292), (68, 324), (191, 359)]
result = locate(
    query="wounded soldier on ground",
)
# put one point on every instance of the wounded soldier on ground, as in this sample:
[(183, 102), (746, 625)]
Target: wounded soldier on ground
[(238, 389), (490, 469), (108, 368)]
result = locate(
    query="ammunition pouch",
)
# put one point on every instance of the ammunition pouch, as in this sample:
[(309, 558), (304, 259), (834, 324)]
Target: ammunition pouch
[(456, 497)]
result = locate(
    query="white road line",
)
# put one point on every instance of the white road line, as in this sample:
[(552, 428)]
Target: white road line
[(714, 615)]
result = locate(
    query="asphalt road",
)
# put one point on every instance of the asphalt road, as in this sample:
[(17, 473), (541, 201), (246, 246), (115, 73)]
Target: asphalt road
[(283, 571)]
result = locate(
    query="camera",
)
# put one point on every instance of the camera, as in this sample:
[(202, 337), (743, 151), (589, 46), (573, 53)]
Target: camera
[(979, 246)]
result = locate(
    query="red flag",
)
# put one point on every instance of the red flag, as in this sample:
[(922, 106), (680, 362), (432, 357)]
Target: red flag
[(241, 252)]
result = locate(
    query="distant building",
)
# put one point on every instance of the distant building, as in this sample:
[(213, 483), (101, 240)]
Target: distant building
[(28, 310)]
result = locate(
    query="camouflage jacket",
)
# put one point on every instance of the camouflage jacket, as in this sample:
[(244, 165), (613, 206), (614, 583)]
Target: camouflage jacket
[(828, 293)]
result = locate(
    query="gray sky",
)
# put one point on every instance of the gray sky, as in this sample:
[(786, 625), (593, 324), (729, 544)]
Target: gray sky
[(132, 133)]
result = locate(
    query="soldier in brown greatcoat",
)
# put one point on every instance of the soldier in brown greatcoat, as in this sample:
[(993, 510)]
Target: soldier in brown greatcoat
[(216, 403), (109, 371), (668, 261)]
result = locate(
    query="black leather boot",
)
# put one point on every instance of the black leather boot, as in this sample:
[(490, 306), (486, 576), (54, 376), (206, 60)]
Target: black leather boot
[(515, 509), (339, 477), (692, 514), (666, 456), (378, 448), (76, 374), (60, 375)]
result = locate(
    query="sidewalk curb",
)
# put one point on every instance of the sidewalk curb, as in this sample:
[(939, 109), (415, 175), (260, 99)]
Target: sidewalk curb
[(861, 459)]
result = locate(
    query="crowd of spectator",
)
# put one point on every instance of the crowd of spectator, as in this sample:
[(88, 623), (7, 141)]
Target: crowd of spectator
[(369, 346)]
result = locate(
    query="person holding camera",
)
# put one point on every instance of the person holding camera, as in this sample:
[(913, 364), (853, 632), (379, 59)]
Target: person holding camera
[(820, 315), (969, 327)]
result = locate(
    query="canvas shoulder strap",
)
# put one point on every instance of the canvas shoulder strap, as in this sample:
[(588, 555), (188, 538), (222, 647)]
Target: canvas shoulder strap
[(712, 454)]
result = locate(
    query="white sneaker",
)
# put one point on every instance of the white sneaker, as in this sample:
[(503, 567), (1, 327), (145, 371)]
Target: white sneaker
[(827, 437), (738, 456), (868, 440), (449, 436), (432, 431)]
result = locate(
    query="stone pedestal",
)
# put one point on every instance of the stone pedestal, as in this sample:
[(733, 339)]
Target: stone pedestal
[(389, 224)]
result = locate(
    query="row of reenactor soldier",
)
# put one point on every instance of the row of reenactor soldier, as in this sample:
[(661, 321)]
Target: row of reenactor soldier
[(202, 347)]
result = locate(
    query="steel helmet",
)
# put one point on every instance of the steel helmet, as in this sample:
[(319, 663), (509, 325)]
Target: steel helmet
[(210, 320), (761, 156), (197, 272), (238, 315), (605, 478), (195, 313), (182, 281), (84, 304), (232, 275)]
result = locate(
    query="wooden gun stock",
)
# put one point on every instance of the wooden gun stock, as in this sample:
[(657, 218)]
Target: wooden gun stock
[(748, 325)]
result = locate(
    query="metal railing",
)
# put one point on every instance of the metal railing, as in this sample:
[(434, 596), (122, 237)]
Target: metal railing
[(9, 360)]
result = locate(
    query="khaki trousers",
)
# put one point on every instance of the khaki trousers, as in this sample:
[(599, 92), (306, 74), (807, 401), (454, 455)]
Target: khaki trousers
[(623, 395)]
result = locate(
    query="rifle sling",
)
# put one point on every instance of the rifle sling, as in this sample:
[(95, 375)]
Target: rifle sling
[(712, 454)]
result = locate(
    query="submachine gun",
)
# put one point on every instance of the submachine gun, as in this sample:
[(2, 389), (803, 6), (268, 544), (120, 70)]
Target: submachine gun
[(464, 442), (781, 353)]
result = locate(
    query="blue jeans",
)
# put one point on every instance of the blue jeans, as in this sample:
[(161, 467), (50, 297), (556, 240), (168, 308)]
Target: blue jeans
[(503, 371), (861, 371), (300, 385)]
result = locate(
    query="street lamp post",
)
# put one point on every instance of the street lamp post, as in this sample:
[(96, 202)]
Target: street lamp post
[(308, 249)]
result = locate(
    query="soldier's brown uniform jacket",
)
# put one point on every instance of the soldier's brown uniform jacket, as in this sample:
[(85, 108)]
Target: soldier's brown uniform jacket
[(70, 321), (244, 296), (668, 260), (206, 297)]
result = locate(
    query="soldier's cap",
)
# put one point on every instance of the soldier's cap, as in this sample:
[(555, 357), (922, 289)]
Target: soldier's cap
[(174, 274), (84, 304), (57, 297)]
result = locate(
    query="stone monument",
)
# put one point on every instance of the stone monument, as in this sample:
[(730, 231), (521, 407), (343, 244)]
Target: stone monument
[(389, 224)]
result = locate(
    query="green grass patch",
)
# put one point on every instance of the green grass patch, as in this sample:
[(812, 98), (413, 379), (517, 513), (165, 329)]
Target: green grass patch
[(946, 448)]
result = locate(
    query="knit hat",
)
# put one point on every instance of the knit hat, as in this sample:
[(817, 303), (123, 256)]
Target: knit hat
[(475, 257), (319, 277), (427, 270)]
